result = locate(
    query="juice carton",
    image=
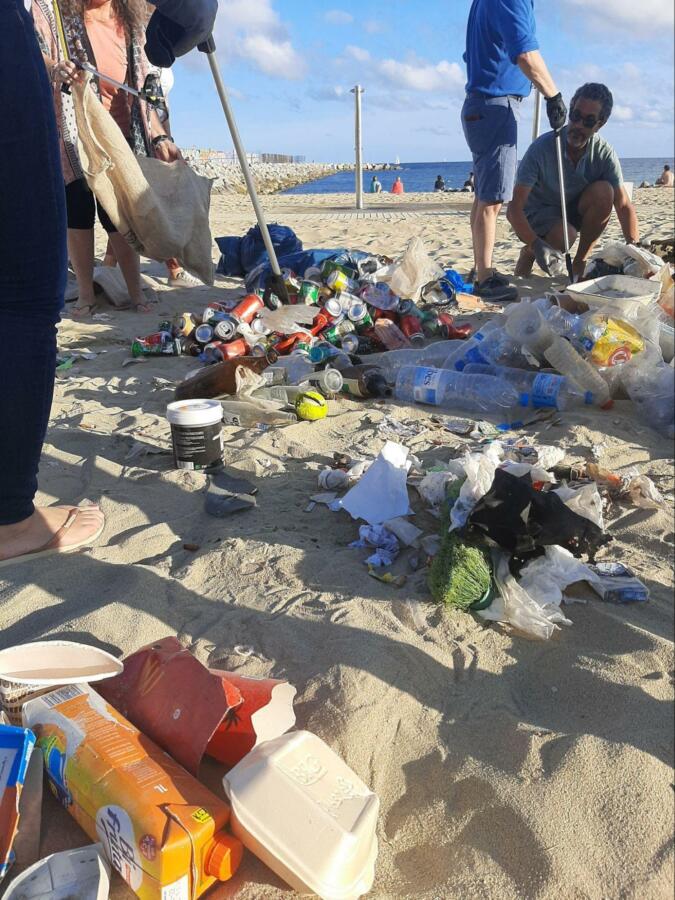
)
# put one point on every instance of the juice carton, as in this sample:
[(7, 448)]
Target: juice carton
[(161, 829)]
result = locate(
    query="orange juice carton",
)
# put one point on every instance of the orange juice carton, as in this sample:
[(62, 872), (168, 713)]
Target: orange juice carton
[(161, 829)]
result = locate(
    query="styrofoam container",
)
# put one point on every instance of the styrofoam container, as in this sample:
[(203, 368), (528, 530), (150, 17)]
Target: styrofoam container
[(299, 808), (613, 288), (83, 874)]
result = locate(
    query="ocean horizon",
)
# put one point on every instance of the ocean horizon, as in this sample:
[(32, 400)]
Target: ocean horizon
[(420, 177)]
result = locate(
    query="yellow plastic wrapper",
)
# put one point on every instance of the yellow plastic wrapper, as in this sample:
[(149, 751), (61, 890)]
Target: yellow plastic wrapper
[(617, 345)]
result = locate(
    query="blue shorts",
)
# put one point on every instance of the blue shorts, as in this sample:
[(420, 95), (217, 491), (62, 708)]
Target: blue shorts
[(491, 129)]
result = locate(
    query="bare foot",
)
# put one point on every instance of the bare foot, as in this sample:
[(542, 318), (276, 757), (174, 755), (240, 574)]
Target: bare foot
[(52, 528)]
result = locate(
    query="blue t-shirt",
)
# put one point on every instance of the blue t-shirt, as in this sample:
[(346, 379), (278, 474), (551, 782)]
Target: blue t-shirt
[(539, 171), (497, 33)]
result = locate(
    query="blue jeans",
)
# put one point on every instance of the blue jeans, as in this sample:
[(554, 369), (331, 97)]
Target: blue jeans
[(491, 129), (33, 258)]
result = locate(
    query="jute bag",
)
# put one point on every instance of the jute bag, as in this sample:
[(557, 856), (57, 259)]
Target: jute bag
[(162, 209)]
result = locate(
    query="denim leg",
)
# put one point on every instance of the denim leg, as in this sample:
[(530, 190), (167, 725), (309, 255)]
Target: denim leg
[(33, 258)]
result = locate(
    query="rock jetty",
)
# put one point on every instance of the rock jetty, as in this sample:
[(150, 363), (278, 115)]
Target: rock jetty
[(270, 178)]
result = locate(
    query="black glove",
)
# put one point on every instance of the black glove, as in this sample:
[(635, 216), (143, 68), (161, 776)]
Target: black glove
[(176, 27), (548, 258), (276, 292), (556, 111)]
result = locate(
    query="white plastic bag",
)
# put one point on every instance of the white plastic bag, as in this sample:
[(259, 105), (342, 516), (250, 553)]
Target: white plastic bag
[(585, 501), (480, 471), (414, 271)]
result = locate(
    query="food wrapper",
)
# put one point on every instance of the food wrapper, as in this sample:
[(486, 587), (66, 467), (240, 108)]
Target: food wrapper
[(618, 343), (185, 707)]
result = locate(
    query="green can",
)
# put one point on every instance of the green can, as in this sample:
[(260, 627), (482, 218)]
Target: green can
[(309, 293), (337, 332)]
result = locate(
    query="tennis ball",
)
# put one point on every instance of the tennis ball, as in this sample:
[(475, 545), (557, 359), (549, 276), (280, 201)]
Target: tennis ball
[(311, 406)]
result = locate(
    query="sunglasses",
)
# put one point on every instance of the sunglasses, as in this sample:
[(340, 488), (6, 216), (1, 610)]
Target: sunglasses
[(587, 121)]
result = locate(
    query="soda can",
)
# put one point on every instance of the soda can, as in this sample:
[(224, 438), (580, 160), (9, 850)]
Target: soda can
[(203, 334), (337, 332), (358, 313), (185, 324), (309, 293), (350, 343), (258, 325), (412, 329), (291, 281), (233, 349), (450, 331), (406, 307), (261, 347), (166, 326), (333, 307), (248, 308), (385, 314), (338, 282), (226, 328), (321, 320), (313, 274)]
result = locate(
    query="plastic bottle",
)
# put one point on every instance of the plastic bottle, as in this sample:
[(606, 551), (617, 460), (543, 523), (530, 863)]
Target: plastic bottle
[(526, 324), (563, 357), (454, 390), (564, 323), (460, 353), (393, 360), (652, 390), (541, 390), (493, 346)]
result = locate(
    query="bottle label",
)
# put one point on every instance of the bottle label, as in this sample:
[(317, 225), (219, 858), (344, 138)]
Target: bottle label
[(545, 391), (426, 385)]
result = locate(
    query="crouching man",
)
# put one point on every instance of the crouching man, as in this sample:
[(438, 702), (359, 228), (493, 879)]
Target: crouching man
[(593, 185)]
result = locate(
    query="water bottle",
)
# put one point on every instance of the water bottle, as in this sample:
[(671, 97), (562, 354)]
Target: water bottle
[(652, 390), (563, 357), (454, 390), (297, 367), (393, 360), (526, 324), (540, 390), (459, 356), (566, 324)]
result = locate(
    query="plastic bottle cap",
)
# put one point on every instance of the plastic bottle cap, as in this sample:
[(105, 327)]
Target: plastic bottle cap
[(225, 856)]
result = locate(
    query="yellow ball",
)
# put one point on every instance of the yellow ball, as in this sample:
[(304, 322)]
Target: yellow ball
[(311, 406)]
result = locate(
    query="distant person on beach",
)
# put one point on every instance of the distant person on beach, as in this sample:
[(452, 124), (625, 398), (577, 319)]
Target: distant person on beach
[(114, 34), (593, 185), (666, 178), (503, 61), (397, 186), (33, 268), (470, 184), (375, 185), (440, 184)]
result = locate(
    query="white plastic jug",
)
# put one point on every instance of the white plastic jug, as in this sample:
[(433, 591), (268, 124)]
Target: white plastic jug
[(306, 815)]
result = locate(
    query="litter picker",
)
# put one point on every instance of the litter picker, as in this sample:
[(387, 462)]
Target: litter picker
[(563, 204), (275, 289)]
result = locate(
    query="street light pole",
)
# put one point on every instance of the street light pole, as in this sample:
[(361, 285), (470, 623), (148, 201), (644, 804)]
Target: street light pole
[(357, 91)]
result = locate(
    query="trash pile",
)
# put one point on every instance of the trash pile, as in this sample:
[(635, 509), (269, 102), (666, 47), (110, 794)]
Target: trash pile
[(514, 526), (124, 760)]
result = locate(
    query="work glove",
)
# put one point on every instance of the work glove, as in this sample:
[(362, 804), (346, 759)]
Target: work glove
[(549, 259), (176, 27), (556, 112)]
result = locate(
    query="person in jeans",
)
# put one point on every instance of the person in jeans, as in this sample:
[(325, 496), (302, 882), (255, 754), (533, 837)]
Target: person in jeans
[(33, 268), (503, 61)]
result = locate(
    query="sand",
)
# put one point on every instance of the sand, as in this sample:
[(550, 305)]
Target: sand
[(506, 768)]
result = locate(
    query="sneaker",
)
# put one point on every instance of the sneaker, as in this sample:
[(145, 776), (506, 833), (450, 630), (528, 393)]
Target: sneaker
[(183, 279), (496, 289)]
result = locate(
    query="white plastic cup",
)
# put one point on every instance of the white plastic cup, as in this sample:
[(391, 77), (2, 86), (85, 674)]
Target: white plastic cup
[(196, 433)]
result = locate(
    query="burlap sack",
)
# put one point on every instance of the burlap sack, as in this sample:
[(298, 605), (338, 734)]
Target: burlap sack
[(162, 209)]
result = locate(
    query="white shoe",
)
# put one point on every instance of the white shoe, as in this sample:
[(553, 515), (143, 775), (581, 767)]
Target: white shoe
[(184, 280)]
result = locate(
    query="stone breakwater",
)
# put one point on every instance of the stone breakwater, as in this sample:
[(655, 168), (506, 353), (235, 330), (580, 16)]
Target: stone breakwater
[(270, 178)]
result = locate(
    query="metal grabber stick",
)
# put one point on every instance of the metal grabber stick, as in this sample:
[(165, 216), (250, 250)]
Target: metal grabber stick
[(275, 284), (563, 204)]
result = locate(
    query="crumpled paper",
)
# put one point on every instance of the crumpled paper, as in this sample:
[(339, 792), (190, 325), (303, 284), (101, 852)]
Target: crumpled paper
[(386, 544)]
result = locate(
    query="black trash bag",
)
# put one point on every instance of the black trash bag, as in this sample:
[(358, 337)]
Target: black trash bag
[(523, 520)]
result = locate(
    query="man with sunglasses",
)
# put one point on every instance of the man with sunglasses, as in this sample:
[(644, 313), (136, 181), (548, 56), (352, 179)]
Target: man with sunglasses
[(593, 186)]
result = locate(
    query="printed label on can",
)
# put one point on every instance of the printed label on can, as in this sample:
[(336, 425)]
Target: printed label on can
[(115, 831), (545, 391), (426, 385)]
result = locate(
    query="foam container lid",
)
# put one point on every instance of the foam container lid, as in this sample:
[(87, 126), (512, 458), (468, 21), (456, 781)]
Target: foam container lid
[(611, 288), (46, 663), (82, 873), (299, 808)]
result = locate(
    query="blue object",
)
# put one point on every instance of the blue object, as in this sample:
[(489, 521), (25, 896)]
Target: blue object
[(230, 257), (34, 258), (491, 130), (539, 171), (16, 746), (498, 31), (452, 283)]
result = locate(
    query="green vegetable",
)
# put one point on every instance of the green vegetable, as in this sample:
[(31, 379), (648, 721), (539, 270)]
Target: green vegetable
[(461, 573)]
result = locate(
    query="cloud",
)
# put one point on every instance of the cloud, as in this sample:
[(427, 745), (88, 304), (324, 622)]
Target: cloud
[(329, 93), (338, 17), (254, 32), (357, 53), (648, 17), (372, 26), (622, 113), (422, 76)]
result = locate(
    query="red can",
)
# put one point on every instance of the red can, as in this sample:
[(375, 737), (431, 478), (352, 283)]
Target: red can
[(385, 314), (450, 331), (248, 308), (412, 329), (320, 321), (234, 349)]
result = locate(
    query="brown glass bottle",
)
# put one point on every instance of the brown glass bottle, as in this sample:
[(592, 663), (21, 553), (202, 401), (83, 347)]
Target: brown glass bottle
[(219, 380)]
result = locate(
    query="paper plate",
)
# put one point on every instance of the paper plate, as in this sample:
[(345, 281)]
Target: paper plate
[(82, 873), (46, 663)]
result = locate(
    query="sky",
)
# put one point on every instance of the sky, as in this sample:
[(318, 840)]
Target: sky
[(290, 65)]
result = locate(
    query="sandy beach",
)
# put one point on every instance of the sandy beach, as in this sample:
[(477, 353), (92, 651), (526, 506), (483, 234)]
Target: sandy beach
[(506, 768)]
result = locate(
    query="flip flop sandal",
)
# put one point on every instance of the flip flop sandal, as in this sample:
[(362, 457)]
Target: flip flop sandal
[(51, 548), (79, 313)]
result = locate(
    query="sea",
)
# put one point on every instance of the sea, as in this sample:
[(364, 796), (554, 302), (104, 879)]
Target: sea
[(420, 177)]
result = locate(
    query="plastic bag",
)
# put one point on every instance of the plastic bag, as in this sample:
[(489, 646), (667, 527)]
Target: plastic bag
[(479, 469), (514, 606), (414, 271), (546, 578), (585, 501)]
